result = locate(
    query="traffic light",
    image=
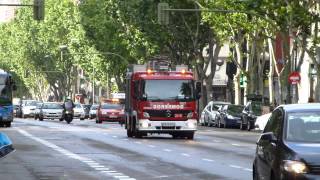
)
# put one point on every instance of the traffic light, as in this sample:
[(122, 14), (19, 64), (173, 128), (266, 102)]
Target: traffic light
[(163, 15), (38, 10), (243, 80)]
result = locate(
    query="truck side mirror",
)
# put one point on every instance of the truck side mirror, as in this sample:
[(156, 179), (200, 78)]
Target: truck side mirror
[(198, 90), (5, 145)]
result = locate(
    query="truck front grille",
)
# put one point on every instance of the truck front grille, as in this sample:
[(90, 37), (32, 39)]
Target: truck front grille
[(167, 113)]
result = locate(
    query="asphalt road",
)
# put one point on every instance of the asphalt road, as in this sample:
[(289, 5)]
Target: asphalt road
[(85, 150)]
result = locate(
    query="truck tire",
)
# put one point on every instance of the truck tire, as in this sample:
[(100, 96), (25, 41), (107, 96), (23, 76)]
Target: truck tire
[(190, 135), (129, 133)]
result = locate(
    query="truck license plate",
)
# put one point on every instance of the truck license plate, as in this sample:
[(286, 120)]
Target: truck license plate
[(168, 124), (113, 116)]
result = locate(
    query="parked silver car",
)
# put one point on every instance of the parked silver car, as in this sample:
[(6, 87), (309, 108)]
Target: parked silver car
[(209, 113), (51, 110)]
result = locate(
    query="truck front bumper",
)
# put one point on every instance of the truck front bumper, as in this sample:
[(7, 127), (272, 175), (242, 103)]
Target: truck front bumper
[(167, 126)]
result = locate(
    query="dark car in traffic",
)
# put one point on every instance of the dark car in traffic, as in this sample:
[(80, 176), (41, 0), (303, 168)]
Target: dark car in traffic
[(229, 116), (289, 147), (250, 112)]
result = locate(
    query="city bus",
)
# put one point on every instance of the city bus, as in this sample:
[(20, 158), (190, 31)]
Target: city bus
[(7, 85)]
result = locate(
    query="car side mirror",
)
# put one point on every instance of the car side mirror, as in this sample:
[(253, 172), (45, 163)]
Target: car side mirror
[(269, 136), (5, 145)]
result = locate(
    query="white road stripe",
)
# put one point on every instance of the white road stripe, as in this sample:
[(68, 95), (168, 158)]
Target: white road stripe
[(235, 166), (186, 155), (167, 150), (209, 160), (125, 139), (246, 169), (217, 141), (235, 144), (69, 154), (152, 146), (137, 142), (114, 136)]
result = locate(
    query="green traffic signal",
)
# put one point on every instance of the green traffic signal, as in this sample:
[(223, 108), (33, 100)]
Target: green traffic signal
[(38, 10)]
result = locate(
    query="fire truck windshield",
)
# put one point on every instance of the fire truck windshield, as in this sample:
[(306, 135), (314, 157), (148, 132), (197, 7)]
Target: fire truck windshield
[(162, 90)]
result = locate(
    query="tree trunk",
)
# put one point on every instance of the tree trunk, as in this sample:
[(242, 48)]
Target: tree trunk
[(237, 89)]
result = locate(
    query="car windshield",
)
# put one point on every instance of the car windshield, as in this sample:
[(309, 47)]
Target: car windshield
[(78, 106), (111, 106), (256, 108), (31, 103), (303, 127), (234, 110), (52, 106), (94, 107), (182, 90)]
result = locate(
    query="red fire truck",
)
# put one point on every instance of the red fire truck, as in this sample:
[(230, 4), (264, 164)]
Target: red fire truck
[(159, 100)]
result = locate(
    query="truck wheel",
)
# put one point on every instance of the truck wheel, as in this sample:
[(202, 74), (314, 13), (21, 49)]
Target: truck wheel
[(8, 124), (190, 135), (129, 133)]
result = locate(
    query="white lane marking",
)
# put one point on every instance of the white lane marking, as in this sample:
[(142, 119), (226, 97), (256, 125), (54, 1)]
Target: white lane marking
[(186, 155), (114, 136), (235, 166), (235, 144), (102, 169), (152, 146), (217, 141), (137, 142), (209, 160), (121, 177), (125, 139), (246, 169), (67, 153), (167, 150)]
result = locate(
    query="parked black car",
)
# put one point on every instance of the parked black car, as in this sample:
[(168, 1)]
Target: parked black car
[(229, 116), (249, 114), (289, 147)]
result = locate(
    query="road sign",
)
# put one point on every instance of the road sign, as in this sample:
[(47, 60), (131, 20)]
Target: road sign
[(294, 77), (163, 15)]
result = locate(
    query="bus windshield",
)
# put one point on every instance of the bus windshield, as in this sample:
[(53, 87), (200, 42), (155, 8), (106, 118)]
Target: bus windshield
[(5, 91)]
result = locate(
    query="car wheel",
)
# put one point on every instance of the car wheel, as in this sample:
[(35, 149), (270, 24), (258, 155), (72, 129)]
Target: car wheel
[(242, 126), (249, 126), (190, 135), (8, 124), (81, 119), (220, 125)]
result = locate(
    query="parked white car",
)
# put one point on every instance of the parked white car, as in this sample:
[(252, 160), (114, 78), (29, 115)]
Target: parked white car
[(261, 121), (78, 111), (209, 113)]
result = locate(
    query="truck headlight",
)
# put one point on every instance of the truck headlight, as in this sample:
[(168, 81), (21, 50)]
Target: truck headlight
[(192, 125), (295, 166), (144, 124), (190, 115)]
